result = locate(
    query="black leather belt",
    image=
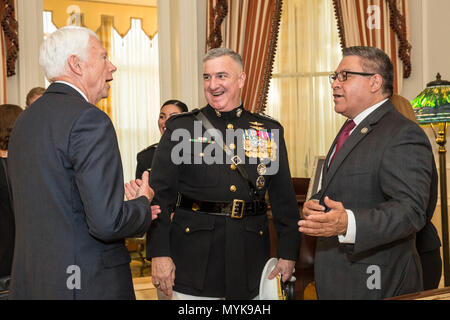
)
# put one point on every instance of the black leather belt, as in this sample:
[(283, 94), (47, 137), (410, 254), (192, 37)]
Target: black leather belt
[(236, 209)]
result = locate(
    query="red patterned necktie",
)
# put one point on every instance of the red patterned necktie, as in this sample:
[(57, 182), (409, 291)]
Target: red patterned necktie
[(345, 133)]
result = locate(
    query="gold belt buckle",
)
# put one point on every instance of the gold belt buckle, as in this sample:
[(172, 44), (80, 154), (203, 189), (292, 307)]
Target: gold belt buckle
[(237, 211)]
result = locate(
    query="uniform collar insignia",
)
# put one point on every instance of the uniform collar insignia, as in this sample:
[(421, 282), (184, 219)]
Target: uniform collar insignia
[(235, 113)]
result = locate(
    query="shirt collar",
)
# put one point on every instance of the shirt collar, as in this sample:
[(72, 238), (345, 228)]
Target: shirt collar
[(360, 117), (73, 86)]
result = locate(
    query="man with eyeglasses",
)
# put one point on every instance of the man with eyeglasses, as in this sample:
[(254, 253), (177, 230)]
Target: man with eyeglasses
[(378, 188)]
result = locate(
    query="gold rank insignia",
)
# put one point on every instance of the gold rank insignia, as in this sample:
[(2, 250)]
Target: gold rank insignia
[(259, 144)]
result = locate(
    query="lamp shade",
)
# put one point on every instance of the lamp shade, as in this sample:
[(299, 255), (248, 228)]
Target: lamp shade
[(432, 105)]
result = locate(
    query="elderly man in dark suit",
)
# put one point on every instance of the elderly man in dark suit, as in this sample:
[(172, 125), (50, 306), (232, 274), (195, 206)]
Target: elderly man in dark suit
[(375, 188), (67, 182)]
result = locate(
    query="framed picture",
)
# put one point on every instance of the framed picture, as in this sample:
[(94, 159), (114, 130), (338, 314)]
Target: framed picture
[(316, 177)]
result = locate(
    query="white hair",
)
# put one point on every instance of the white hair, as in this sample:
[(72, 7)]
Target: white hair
[(60, 45)]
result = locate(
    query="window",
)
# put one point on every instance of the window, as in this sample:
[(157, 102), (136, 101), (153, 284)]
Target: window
[(300, 95), (135, 93)]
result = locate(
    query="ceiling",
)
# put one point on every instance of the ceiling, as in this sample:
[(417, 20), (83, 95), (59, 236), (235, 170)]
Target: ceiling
[(152, 3)]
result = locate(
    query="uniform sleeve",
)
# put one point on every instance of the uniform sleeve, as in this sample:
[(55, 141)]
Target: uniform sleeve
[(405, 177), (140, 166), (164, 181), (284, 206), (96, 161), (144, 161)]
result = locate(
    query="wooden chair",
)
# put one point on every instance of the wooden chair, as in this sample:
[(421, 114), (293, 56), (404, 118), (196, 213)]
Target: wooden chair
[(136, 248)]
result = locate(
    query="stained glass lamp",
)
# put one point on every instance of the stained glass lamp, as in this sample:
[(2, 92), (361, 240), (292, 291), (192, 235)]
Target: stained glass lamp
[(432, 107)]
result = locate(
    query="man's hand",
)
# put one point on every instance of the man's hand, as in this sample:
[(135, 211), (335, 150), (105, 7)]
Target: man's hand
[(137, 188), (163, 274), (312, 207), (320, 224), (155, 211), (283, 267)]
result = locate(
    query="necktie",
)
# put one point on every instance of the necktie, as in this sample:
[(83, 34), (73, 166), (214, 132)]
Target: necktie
[(345, 133)]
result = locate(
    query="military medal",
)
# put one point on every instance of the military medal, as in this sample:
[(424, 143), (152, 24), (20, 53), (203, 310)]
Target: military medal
[(259, 143), (260, 182), (262, 169), (202, 140)]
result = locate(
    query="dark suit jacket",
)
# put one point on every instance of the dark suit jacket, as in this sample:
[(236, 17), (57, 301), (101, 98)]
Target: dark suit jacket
[(71, 220), (383, 173), (219, 256)]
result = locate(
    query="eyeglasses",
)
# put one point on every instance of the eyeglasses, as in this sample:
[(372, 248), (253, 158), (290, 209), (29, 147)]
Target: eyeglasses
[(342, 76)]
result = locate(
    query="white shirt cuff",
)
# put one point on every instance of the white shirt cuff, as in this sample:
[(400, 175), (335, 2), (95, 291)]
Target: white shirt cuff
[(350, 235)]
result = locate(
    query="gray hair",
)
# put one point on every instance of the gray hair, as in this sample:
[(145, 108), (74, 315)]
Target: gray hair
[(375, 60), (220, 52), (60, 45)]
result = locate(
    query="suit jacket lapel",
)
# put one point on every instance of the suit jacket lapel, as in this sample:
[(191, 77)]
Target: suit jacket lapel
[(358, 134)]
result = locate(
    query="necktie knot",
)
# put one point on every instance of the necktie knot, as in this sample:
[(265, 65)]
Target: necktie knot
[(345, 133), (348, 127)]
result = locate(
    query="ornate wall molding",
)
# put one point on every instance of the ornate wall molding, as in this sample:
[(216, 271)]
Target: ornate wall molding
[(10, 30), (398, 24), (217, 15), (268, 68)]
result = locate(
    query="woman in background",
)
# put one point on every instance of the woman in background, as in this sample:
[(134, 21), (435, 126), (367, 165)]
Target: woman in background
[(145, 157), (8, 116)]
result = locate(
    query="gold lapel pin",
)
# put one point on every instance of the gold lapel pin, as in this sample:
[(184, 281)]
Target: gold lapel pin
[(364, 130)]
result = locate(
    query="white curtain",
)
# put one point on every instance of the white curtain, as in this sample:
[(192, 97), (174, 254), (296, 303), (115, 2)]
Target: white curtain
[(135, 93), (300, 95)]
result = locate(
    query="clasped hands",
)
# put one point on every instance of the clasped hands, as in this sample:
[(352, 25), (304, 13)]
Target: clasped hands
[(137, 188), (316, 222)]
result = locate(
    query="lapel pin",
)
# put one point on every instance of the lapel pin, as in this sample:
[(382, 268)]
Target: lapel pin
[(364, 130)]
